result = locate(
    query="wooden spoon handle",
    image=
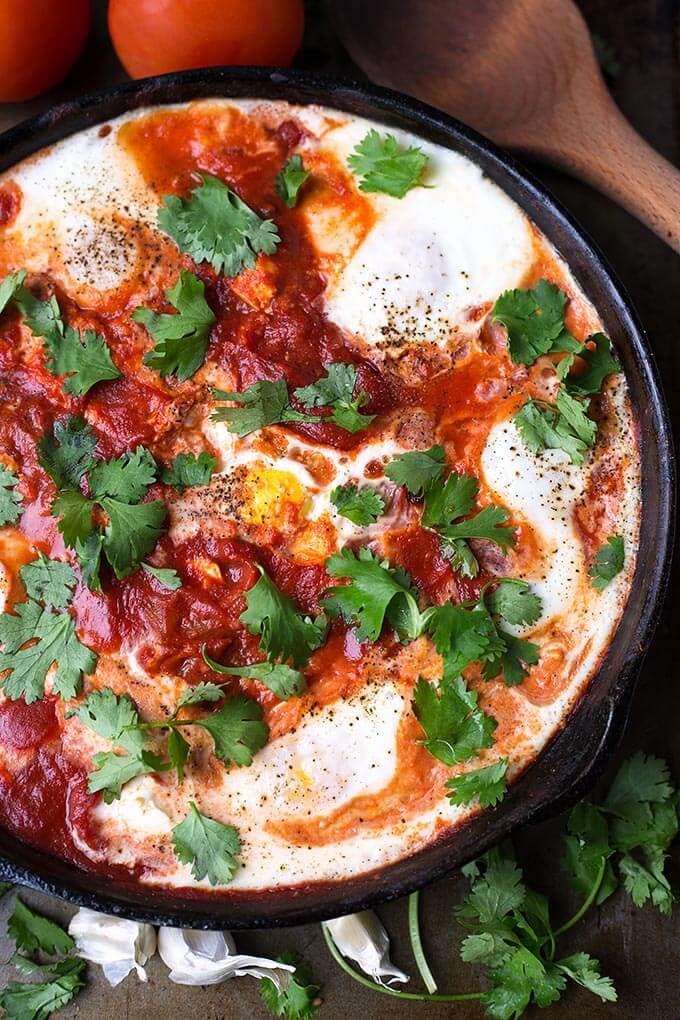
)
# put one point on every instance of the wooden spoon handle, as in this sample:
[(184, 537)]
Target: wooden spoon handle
[(603, 149)]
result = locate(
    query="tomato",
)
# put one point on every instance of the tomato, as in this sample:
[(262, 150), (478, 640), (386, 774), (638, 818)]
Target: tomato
[(40, 40), (157, 36)]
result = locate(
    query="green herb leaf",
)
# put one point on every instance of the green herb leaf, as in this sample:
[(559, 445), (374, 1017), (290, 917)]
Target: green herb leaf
[(210, 847), (285, 632), (375, 592), (534, 320), (455, 729), (187, 470), (75, 518), (585, 971), (114, 719), (385, 165), (40, 1001), (488, 784), (33, 933), (84, 358), (290, 179), (113, 771), (283, 681), (444, 501), (125, 478), (131, 533), (264, 403), (67, 455), (462, 636), (237, 730), (361, 506), (164, 575), (544, 427), (600, 363), (49, 581), (586, 846), (180, 341), (514, 602), (335, 390), (460, 556), (215, 226), (10, 499), (299, 999), (10, 286), (489, 523), (417, 469), (608, 562), (201, 692), (514, 660)]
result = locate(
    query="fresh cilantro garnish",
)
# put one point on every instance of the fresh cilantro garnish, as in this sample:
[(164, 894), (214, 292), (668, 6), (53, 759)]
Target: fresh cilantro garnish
[(215, 226), (336, 390), (114, 718), (447, 500), (385, 165), (534, 320), (187, 470), (490, 523), (511, 935), (83, 358), (608, 562), (181, 340), (514, 661), (283, 681), (513, 600), (166, 576), (116, 486), (10, 499), (376, 592), (201, 692), (237, 730), (600, 363), (361, 506), (463, 635), (290, 179), (33, 933), (210, 847), (264, 403), (460, 556), (564, 426), (285, 632), (417, 469), (488, 784), (10, 286), (628, 835), (455, 729), (300, 997), (52, 635)]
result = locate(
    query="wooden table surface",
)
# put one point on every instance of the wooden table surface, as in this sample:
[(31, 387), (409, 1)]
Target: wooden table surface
[(638, 948)]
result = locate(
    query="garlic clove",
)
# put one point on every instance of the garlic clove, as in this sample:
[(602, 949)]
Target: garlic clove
[(117, 945), (362, 938), (208, 957)]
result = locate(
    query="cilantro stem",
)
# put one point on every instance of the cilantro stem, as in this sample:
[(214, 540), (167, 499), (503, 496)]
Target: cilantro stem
[(383, 989), (417, 944), (587, 903)]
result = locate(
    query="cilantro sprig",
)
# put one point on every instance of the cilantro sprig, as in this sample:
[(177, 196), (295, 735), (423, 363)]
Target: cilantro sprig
[(40, 633), (562, 426), (534, 320), (187, 470), (285, 633), (214, 225), (116, 486), (180, 340), (290, 179), (385, 165), (487, 784), (361, 506), (299, 1000), (600, 362), (336, 390), (210, 847), (609, 561), (455, 728), (10, 498), (282, 680)]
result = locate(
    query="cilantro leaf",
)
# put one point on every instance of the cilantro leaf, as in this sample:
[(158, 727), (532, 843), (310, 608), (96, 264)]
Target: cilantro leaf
[(460, 556), (543, 427), (125, 478), (49, 581), (600, 363), (285, 633), (178, 752), (489, 523), (10, 286), (40, 1001), (10, 499), (75, 518), (84, 358), (215, 226), (376, 592), (264, 403), (462, 636), (164, 575), (300, 997), (512, 600), (417, 468), (237, 730), (131, 533), (335, 390), (283, 681), (290, 179), (113, 718), (43, 318), (445, 501), (361, 506), (534, 320), (187, 470), (55, 644), (112, 772), (33, 933), (455, 729), (210, 847), (496, 892), (67, 455), (608, 562), (641, 778), (488, 784), (586, 846), (181, 340), (647, 882), (520, 979), (516, 656), (585, 971), (201, 692), (385, 165)]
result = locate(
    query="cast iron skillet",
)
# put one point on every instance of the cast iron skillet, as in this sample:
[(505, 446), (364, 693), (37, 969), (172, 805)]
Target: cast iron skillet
[(577, 755)]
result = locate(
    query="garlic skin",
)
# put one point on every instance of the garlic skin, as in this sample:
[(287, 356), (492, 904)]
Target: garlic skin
[(208, 957), (362, 938), (117, 945)]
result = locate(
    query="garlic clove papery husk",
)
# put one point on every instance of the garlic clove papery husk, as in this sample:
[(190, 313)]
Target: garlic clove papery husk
[(208, 957), (362, 938), (117, 945)]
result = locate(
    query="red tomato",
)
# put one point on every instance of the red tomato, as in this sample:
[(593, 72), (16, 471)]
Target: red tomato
[(157, 36), (40, 40)]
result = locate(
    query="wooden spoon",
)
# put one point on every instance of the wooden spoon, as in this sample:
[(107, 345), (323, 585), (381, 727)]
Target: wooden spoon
[(524, 73)]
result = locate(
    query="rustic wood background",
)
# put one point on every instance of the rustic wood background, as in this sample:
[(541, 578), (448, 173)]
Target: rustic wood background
[(638, 948)]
